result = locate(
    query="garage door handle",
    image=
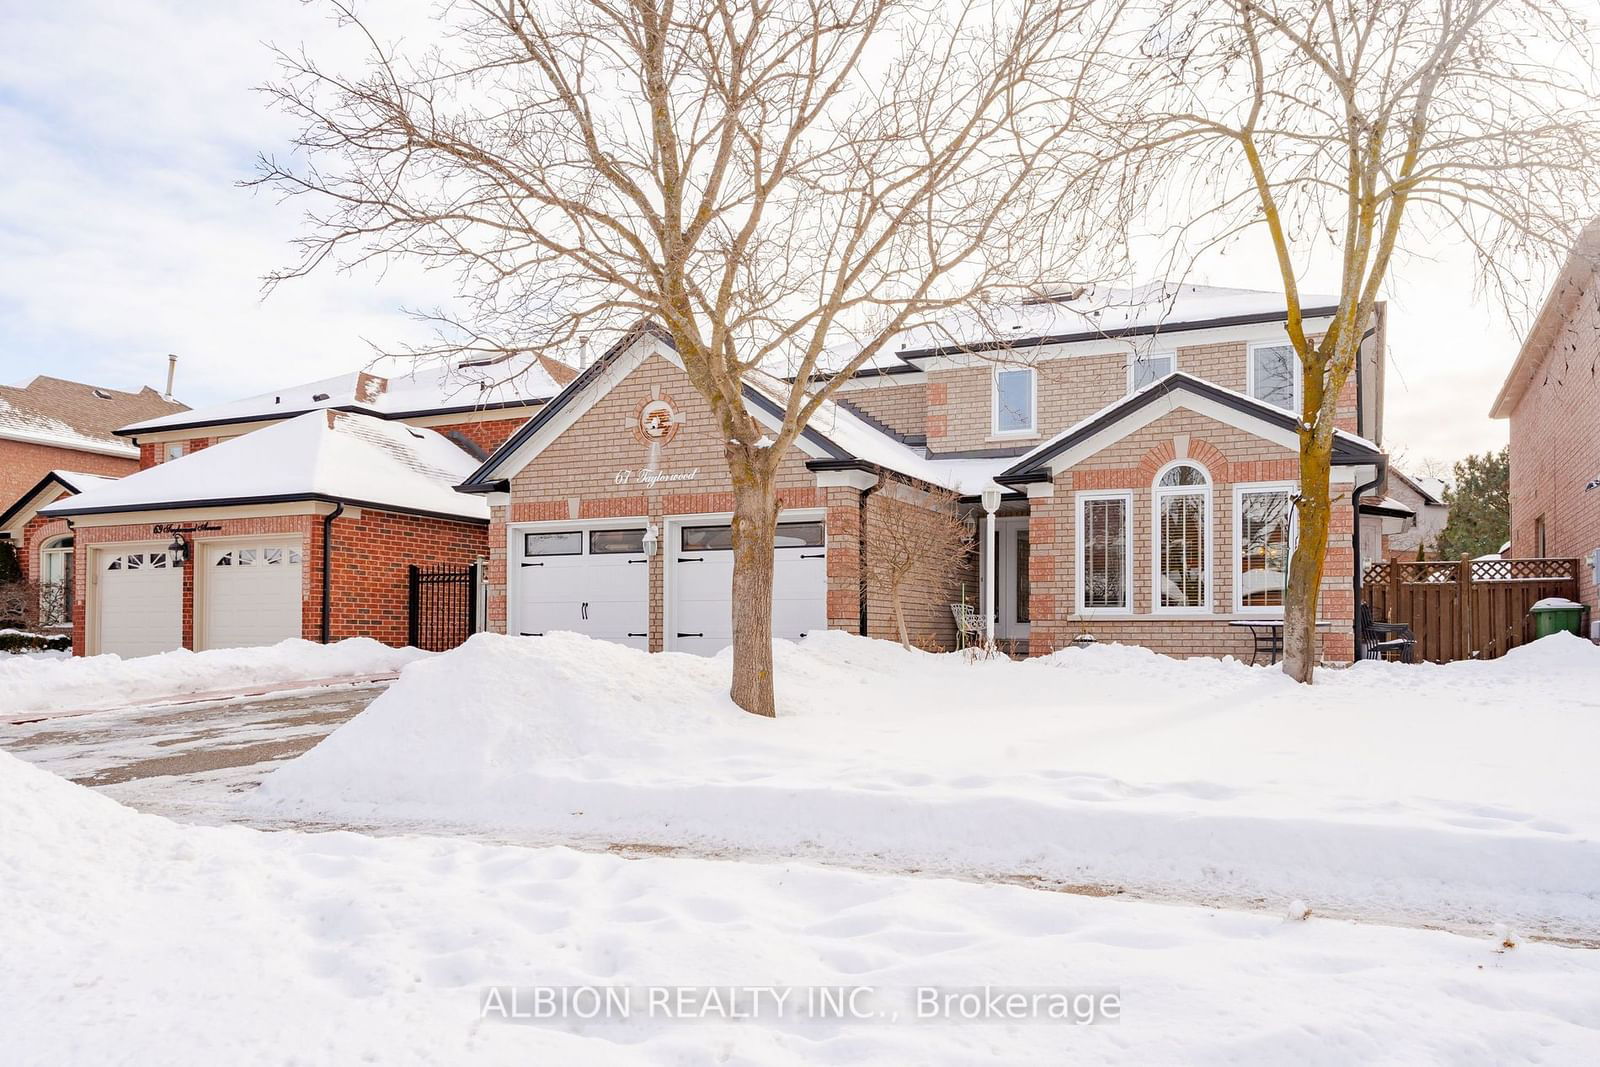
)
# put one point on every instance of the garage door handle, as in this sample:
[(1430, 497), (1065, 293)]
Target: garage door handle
[(525, 633), (639, 635), (691, 559), (682, 634), (637, 561), (533, 564), (585, 609), (813, 555)]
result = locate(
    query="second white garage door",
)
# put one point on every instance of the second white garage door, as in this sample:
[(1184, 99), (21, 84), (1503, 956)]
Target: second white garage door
[(139, 601), (701, 585), (251, 593)]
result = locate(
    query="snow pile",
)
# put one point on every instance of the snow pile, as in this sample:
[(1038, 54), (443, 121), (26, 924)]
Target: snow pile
[(1457, 793), (132, 939), (29, 684)]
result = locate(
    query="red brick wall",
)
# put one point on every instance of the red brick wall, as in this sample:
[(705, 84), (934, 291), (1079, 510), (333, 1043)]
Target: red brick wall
[(1555, 448), (371, 554), (486, 435), (23, 463)]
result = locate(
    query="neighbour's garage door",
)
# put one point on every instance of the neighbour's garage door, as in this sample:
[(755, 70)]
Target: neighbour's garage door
[(250, 594), (139, 601), (701, 585), (594, 582)]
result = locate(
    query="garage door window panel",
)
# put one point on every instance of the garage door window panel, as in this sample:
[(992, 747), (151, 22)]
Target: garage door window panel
[(616, 542), (563, 543)]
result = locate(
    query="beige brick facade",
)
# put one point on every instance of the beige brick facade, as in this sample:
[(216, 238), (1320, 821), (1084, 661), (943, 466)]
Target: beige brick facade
[(1231, 457), (902, 408)]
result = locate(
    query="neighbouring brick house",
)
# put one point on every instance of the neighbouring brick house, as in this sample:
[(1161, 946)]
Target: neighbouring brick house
[(57, 436), (224, 533), (1552, 397), (1143, 449)]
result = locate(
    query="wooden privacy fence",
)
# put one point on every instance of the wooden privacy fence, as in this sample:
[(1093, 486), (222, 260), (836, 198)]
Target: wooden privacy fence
[(1466, 609)]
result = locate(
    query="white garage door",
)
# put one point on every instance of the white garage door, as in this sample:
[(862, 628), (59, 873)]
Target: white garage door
[(589, 581), (701, 585), (250, 593), (139, 601)]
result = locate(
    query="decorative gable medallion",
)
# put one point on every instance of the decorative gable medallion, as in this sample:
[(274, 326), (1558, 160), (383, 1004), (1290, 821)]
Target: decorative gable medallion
[(657, 419)]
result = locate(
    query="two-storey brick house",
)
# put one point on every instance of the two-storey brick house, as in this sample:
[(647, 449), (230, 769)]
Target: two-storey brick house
[(1143, 444), (1552, 397)]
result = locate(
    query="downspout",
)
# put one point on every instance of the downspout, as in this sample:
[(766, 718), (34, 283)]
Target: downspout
[(1355, 581), (1361, 406), (327, 565), (861, 542)]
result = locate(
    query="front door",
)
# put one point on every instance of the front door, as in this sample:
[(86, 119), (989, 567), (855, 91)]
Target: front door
[(1011, 621)]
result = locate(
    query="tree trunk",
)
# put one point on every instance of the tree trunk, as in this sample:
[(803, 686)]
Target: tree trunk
[(755, 530), (899, 615), (1311, 550)]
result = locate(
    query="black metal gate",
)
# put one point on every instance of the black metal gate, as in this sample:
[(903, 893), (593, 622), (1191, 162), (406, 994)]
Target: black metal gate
[(443, 607)]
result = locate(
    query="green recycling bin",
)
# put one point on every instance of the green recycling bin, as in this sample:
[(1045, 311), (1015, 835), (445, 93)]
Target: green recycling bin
[(1556, 614)]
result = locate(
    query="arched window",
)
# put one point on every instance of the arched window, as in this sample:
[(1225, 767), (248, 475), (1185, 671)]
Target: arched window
[(1182, 564), (55, 582)]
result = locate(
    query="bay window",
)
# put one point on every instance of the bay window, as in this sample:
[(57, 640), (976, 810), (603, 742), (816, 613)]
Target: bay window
[(1182, 506)]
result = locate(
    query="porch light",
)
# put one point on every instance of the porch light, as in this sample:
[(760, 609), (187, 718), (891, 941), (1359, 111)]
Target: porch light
[(991, 499), (178, 551), (652, 538), (991, 504)]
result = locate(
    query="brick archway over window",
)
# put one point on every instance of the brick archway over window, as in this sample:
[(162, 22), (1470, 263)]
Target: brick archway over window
[(1196, 449)]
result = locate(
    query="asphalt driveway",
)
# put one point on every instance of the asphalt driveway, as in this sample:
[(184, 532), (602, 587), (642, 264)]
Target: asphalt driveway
[(186, 761)]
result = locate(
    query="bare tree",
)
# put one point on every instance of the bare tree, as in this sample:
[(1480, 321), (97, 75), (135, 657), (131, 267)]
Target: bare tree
[(1351, 132), (782, 185), (918, 538)]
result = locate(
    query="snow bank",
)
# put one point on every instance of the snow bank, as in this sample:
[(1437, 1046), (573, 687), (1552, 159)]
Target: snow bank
[(31, 684), (131, 939), (1459, 793)]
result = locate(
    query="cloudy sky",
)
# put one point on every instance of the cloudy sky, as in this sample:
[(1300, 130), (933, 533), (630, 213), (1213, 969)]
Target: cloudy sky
[(125, 128)]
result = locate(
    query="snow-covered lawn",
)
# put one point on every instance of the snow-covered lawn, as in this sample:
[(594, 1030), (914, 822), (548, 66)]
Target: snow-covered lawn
[(127, 938), (1462, 794), (33, 684)]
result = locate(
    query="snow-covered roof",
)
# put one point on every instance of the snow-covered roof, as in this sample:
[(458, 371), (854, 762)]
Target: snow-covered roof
[(75, 415), (863, 441), (1348, 448), (321, 455), (1088, 313), (517, 380)]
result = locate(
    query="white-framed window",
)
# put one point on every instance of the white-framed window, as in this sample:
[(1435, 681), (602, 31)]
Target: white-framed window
[(1014, 394), (1105, 552), (175, 450), (1147, 367), (1273, 374), (1263, 538), (55, 582), (1181, 528)]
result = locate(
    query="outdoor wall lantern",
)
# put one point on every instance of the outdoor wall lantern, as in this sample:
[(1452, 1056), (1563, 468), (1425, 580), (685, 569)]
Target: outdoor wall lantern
[(652, 538), (178, 551)]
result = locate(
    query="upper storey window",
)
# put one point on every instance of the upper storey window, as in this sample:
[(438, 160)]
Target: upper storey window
[(1149, 367), (1014, 397), (1275, 375)]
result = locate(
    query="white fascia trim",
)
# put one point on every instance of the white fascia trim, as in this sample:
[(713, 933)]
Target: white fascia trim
[(1041, 490), (71, 444), (1174, 401), (859, 480), (882, 381)]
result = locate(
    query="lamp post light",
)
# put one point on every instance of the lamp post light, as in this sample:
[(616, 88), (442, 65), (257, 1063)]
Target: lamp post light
[(991, 504)]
